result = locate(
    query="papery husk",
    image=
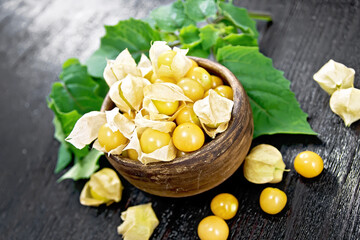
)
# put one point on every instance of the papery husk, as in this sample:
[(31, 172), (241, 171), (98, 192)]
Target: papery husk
[(132, 89), (180, 65), (144, 65), (119, 68), (164, 154), (346, 104), (139, 222), (106, 184), (213, 110), (162, 126), (117, 121), (167, 92), (86, 129), (108, 74), (264, 164), (333, 76)]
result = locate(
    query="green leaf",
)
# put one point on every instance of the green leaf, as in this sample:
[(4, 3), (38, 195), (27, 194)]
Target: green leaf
[(83, 168), (135, 35), (76, 94), (64, 154), (199, 51), (190, 38), (77, 91), (171, 17), (236, 40), (200, 10), (240, 18), (64, 158), (208, 35), (275, 108)]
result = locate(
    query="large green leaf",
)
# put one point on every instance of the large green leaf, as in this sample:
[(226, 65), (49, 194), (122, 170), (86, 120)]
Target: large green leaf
[(240, 18), (200, 10), (76, 91), (171, 17), (76, 94), (275, 108), (135, 35)]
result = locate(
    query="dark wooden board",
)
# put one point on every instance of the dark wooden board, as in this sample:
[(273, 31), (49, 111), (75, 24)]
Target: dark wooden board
[(37, 36)]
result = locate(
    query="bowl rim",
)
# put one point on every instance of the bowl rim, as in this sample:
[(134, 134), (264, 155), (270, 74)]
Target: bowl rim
[(228, 77)]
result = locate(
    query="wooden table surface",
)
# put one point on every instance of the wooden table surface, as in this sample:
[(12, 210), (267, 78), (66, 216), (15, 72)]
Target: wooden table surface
[(37, 36)]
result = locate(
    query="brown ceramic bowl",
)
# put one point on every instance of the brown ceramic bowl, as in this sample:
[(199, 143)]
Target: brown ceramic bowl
[(205, 168)]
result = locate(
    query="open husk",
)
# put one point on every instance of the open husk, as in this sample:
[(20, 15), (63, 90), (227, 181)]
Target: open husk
[(165, 153), (127, 94), (167, 92), (180, 64), (139, 222), (86, 129), (214, 113), (104, 186), (119, 68)]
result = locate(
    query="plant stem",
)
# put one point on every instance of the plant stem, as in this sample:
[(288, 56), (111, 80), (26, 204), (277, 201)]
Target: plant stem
[(260, 16)]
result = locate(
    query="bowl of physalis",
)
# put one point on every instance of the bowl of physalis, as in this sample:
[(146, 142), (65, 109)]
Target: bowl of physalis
[(171, 125)]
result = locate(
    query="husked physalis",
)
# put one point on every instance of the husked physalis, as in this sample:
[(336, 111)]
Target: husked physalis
[(139, 222), (104, 186), (308, 164), (213, 228), (272, 200), (161, 107), (214, 113), (224, 205), (167, 62), (110, 130), (338, 80), (264, 164)]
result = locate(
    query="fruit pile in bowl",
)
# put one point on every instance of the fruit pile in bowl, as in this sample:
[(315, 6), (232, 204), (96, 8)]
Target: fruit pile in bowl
[(173, 125)]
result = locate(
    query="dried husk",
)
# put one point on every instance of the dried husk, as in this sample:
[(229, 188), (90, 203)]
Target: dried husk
[(164, 154), (139, 222), (86, 129), (119, 68), (162, 126), (132, 91), (144, 65), (333, 76), (213, 110), (346, 104), (117, 122), (180, 65), (106, 184), (264, 164), (167, 92)]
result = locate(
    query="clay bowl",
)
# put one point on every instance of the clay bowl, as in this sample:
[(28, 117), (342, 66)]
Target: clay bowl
[(205, 168)]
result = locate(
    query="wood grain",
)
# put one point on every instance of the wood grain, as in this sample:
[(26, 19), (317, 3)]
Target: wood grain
[(37, 36)]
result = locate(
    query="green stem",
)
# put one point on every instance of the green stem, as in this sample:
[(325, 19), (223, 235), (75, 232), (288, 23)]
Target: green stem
[(260, 16)]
